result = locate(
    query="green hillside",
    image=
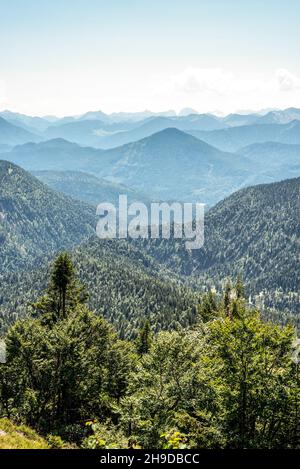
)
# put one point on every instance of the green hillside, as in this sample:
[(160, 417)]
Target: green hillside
[(19, 437), (35, 220), (254, 233)]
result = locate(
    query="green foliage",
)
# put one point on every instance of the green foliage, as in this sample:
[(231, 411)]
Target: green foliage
[(56, 370), (254, 361), (174, 440), (64, 292), (209, 306), (105, 436), (55, 442), (168, 384), (230, 381)]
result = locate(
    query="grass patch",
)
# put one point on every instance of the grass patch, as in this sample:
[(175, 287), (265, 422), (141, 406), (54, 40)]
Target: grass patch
[(19, 437)]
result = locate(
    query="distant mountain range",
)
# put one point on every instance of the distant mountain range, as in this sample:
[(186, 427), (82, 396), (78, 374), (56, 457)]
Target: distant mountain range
[(280, 117), (168, 165), (173, 165), (105, 131), (153, 125), (92, 132), (234, 138), (31, 123), (272, 161), (12, 135), (56, 154), (80, 161)]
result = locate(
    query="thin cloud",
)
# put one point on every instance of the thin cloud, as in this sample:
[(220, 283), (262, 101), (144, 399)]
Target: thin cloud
[(195, 80), (217, 88), (287, 81)]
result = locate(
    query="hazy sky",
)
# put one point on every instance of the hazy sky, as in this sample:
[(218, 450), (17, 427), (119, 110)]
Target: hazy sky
[(69, 56)]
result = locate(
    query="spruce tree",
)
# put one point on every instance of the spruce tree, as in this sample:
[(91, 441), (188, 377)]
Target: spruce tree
[(144, 339), (64, 292)]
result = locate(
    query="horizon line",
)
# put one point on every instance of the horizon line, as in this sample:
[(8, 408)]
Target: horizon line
[(162, 113)]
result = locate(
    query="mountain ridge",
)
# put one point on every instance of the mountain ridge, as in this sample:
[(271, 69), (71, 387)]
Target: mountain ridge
[(12, 135)]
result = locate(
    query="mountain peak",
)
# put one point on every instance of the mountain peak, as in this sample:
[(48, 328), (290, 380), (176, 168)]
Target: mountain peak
[(171, 132), (171, 136)]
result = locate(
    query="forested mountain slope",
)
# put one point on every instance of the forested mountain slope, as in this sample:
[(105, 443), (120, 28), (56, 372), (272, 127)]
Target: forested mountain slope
[(87, 187), (35, 220), (254, 232)]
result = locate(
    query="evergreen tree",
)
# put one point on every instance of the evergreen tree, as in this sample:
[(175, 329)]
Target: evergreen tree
[(67, 364), (64, 292), (208, 308), (144, 339)]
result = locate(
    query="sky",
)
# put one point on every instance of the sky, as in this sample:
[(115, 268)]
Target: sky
[(67, 57)]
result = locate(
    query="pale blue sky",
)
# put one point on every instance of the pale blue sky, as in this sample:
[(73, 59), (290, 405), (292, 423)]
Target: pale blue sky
[(69, 56)]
